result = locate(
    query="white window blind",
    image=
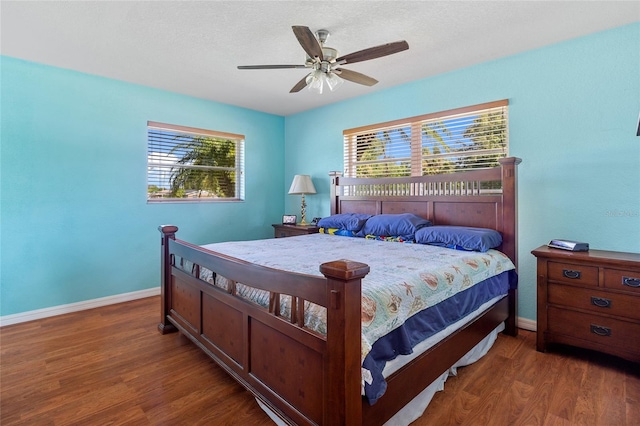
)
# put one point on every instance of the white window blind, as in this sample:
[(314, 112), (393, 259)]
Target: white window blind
[(467, 138), (189, 164)]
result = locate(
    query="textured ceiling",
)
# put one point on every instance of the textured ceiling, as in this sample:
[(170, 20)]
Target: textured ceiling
[(194, 47)]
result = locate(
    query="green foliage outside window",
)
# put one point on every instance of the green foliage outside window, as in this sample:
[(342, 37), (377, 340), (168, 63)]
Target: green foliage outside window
[(218, 179), (445, 144), (187, 166)]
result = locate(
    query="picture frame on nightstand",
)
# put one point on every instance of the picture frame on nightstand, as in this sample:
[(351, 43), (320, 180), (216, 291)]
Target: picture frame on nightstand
[(289, 219)]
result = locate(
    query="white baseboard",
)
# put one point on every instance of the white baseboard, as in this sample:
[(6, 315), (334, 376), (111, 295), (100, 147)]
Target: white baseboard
[(527, 324), (524, 323), (78, 306)]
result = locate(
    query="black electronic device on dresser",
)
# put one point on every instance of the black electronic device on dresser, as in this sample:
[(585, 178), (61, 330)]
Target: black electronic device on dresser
[(568, 245), (589, 299)]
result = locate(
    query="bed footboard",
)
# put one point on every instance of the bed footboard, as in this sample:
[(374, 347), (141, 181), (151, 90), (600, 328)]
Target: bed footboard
[(305, 377)]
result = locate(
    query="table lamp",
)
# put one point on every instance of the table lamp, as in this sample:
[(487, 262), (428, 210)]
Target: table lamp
[(302, 184)]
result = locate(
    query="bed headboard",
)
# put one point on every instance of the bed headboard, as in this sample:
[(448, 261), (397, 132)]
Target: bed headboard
[(478, 198)]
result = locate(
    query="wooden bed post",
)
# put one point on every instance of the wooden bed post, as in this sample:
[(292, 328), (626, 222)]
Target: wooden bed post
[(335, 191), (168, 233), (510, 230), (343, 400), (510, 207)]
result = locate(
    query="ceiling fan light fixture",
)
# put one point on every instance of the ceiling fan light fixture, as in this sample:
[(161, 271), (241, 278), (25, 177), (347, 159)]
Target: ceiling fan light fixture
[(333, 81), (315, 81)]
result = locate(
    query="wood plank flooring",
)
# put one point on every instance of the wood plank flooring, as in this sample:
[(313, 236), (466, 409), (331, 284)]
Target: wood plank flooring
[(110, 366)]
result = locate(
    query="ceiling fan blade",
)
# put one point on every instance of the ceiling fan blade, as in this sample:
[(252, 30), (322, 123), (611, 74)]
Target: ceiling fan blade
[(268, 67), (299, 85), (355, 77), (308, 41), (373, 52)]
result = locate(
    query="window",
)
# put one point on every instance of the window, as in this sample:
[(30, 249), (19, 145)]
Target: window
[(461, 139), (188, 164)]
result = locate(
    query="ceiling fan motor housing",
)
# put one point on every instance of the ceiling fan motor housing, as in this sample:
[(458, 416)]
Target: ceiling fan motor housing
[(329, 55)]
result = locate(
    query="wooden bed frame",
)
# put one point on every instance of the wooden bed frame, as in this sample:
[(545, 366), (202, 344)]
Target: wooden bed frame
[(307, 378)]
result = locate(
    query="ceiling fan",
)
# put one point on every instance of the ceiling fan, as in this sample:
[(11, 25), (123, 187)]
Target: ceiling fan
[(325, 64)]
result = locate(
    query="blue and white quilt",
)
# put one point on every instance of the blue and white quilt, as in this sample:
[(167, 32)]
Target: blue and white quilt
[(404, 279)]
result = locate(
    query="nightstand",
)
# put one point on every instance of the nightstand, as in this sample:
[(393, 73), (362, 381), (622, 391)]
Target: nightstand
[(282, 231), (589, 299)]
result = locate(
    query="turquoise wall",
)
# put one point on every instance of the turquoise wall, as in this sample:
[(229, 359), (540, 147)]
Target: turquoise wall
[(74, 218), (73, 157), (573, 115)]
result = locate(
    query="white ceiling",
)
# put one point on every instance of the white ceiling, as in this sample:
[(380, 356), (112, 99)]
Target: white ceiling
[(194, 47)]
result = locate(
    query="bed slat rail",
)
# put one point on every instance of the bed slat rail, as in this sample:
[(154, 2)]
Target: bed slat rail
[(308, 287), (476, 183)]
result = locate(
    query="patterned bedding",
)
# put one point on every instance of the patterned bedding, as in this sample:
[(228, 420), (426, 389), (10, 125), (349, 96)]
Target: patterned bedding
[(404, 278)]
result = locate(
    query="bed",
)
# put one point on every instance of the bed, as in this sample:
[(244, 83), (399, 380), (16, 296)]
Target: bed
[(302, 376)]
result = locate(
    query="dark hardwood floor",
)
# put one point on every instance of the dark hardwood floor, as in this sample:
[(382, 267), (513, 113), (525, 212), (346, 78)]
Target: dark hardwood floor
[(110, 366)]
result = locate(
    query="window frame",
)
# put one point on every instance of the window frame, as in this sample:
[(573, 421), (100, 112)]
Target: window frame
[(239, 167), (416, 159)]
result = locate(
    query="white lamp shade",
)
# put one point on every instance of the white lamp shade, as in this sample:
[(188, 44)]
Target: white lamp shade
[(302, 184)]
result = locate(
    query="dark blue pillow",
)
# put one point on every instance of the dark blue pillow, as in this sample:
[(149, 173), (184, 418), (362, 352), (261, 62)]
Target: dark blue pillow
[(348, 221), (473, 239), (402, 225)]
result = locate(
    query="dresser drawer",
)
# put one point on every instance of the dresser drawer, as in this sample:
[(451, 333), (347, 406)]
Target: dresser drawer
[(285, 232), (622, 280), (282, 231), (599, 302), (574, 274), (596, 329)]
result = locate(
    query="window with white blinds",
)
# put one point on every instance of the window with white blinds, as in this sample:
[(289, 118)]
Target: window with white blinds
[(467, 138), (189, 164)]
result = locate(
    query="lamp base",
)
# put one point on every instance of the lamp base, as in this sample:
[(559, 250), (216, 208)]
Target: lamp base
[(303, 212)]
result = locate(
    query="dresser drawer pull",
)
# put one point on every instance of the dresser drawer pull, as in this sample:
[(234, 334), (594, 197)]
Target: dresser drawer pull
[(600, 302), (631, 282), (600, 330), (570, 273)]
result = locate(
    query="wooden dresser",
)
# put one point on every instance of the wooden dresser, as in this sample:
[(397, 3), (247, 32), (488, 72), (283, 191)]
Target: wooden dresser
[(281, 231), (589, 299)]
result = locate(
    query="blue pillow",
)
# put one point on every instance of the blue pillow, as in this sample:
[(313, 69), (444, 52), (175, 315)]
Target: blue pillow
[(402, 225), (348, 221), (460, 237)]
